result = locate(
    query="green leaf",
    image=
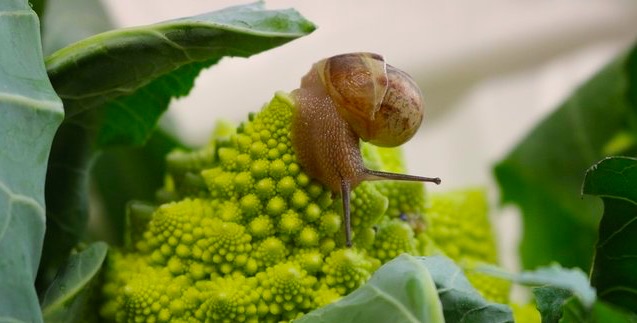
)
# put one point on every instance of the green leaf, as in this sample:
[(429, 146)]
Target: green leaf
[(460, 301), (564, 295), (400, 291), (555, 276), (38, 6), (614, 271), (553, 287), (543, 173), (601, 312), (613, 178), (116, 85), (550, 302), (29, 114), (136, 71), (68, 297)]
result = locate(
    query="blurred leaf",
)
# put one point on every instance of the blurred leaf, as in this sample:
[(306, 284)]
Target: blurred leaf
[(574, 312), (68, 297), (550, 302), (564, 295), (400, 291), (612, 178), (140, 172), (555, 276), (543, 173), (61, 26), (461, 302), (29, 114), (614, 271), (116, 85), (38, 6)]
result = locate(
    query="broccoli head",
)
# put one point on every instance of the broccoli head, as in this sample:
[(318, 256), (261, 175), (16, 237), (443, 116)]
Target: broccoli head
[(242, 234)]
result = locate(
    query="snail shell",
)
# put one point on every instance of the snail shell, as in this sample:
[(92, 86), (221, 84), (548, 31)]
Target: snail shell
[(381, 103), (342, 100)]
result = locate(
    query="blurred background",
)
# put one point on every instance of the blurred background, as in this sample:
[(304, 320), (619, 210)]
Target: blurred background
[(489, 70)]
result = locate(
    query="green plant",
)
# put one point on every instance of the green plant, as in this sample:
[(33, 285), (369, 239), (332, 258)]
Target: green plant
[(244, 234), (85, 111)]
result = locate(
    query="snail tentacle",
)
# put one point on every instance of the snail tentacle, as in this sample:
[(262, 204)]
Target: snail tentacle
[(376, 175)]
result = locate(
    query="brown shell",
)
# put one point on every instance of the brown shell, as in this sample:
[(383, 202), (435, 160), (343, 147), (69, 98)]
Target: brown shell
[(382, 104)]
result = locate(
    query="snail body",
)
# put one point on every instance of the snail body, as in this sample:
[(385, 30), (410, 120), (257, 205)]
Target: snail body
[(345, 99)]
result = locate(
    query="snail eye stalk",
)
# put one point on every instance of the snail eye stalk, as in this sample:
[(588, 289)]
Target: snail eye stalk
[(375, 175)]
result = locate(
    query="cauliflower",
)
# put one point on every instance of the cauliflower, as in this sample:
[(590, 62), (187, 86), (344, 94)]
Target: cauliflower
[(242, 234)]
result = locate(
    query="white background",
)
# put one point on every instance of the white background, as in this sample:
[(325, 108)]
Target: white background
[(489, 70)]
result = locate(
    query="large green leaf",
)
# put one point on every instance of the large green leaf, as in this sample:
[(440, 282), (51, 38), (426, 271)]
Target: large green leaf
[(400, 291), (614, 271), (69, 296), (572, 280), (543, 173), (58, 16), (115, 86), (29, 114), (564, 295), (553, 287), (461, 302), (143, 67), (414, 289)]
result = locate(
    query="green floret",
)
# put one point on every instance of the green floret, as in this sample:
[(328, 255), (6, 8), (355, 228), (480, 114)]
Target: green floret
[(330, 223), (139, 292), (174, 225), (459, 224), (347, 269), (325, 296), (311, 260), (242, 234), (368, 206), (406, 197), (261, 227), (269, 252), (308, 238), (290, 224), (231, 299), (287, 289), (393, 238), (227, 245)]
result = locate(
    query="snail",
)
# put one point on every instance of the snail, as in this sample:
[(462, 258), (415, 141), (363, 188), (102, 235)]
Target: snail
[(345, 99)]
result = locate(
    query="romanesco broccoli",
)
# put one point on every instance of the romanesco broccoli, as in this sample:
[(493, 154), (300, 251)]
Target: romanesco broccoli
[(242, 234)]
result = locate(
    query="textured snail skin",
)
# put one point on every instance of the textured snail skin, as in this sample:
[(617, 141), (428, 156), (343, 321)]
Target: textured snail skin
[(342, 100), (325, 144)]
